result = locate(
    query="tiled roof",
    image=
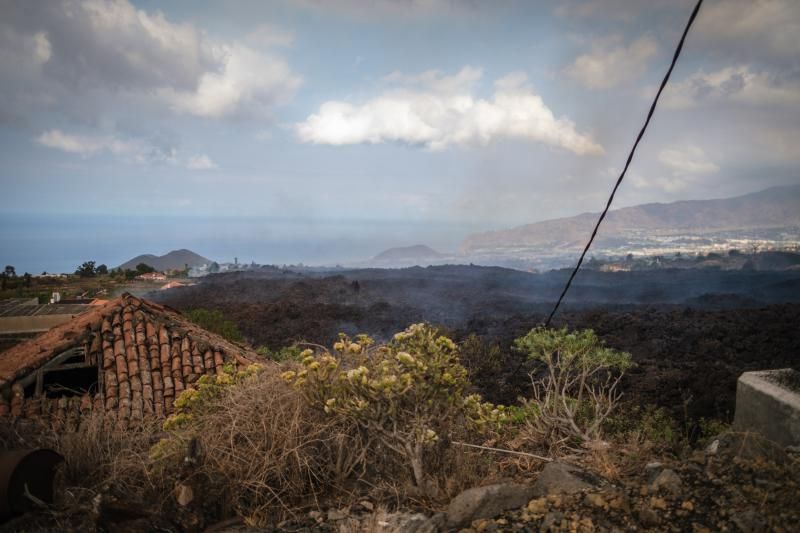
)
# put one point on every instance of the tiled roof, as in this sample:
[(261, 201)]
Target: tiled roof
[(144, 354)]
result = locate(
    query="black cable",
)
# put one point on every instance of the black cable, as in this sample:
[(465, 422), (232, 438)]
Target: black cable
[(628, 162)]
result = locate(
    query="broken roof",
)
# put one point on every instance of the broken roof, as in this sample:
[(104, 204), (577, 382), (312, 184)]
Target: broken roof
[(134, 357)]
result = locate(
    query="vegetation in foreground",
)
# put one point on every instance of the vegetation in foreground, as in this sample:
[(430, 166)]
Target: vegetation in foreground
[(385, 423)]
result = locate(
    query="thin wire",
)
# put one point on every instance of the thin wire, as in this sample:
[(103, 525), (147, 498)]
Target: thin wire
[(628, 162), (501, 450)]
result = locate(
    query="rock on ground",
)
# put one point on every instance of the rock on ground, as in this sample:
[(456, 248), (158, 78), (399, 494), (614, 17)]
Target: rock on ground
[(486, 502), (560, 477)]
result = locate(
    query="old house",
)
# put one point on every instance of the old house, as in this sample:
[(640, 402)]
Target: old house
[(129, 358)]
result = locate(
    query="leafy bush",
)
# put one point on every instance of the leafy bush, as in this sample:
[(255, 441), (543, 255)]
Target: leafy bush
[(86, 270), (214, 321), (287, 353), (406, 394), (576, 384), (649, 424)]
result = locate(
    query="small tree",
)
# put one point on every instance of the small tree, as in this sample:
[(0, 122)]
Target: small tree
[(102, 270), (27, 280), (575, 388), (405, 394), (144, 268), (86, 270), (10, 271)]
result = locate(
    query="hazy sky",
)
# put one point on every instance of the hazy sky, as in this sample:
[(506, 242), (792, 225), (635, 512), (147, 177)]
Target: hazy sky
[(498, 113)]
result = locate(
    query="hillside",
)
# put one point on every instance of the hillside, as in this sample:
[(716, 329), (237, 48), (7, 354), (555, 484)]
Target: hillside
[(171, 260), (777, 207), (407, 255)]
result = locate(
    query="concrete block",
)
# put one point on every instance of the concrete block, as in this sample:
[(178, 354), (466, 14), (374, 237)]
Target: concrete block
[(768, 402)]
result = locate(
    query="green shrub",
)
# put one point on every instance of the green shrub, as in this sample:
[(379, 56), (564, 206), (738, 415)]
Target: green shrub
[(214, 321), (287, 353), (575, 385), (407, 394), (649, 424)]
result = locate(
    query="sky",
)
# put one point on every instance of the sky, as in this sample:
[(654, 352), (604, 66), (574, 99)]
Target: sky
[(479, 114)]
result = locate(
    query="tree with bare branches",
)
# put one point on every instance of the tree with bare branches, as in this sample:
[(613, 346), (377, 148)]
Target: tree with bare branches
[(575, 387)]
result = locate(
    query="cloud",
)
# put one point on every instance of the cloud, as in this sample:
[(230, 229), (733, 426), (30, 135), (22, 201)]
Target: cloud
[(436, 81), (623, 10), (611, 63), (390, 8), (247, 83), (444, 113), (110, 43), (200, 162), (87, 145), (738, 84), (754, 28), (687, 161), (667, 184), (130, 150), (84, 48)]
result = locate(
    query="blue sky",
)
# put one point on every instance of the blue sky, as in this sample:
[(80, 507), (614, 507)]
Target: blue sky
[(489, 113)]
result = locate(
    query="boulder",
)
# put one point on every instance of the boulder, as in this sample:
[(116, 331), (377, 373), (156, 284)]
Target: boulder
[(560, 477), (486, 502), (667, 481)]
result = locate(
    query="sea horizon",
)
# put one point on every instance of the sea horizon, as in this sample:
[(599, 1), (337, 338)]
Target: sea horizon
[(59, 243)]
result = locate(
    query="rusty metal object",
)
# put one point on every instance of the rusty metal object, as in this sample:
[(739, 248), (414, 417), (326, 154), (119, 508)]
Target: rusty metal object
[(25, 474)]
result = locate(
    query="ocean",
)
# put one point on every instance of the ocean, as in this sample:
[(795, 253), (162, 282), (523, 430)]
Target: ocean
[(59, 243)]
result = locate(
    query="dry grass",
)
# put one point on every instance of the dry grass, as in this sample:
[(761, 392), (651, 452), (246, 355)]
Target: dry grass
[(264, 455), (93, 454), (267, 455), (263, 450)]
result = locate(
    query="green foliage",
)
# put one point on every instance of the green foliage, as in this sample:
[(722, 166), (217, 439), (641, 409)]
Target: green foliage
[(86, 270), (711, 427), (516, 415), (652, 424), (571, 351), (406, 393), (144, 268), (287, 353), (575, 385), (102, 270), (214, 321)]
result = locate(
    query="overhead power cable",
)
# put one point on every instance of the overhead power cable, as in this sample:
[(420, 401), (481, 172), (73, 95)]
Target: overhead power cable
[(628, 162)]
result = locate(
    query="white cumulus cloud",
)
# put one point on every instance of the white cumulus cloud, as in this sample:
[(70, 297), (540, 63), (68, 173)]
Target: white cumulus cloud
[(247, 81), (611, 63), (443, 112)]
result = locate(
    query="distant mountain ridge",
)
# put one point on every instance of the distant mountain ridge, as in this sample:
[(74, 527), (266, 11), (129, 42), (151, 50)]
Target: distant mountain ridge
[(407, 254), (172, 260), (775, 207)]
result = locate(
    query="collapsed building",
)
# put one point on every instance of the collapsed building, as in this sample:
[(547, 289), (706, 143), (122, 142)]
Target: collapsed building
[(128, 359)]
